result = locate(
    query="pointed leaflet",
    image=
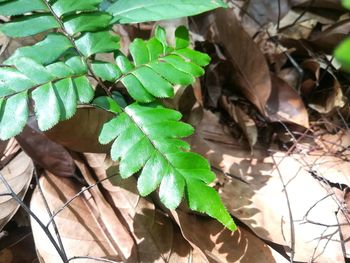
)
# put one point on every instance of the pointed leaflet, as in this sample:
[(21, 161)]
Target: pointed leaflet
[(90, 21), (33, 70), (147, 139), (62, 7), (137, 11), (29, 25), (46, 107), (13, 81), (43, 52), (18, 7), (97, 42), (157, 66), (13, 115)]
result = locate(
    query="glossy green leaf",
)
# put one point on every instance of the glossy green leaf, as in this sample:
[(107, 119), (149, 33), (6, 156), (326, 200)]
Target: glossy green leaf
[(18, 7), (13, 115), (29, 25), (204, 199), (139, 52), (66, 97), (98, 42), (33, 70), (84, 90), (62, 7), (182, 38), (137, 11), (146, 139), (108, 104), (12, 81), (47, 116), (44, 52), (91, 21), (106, 71)]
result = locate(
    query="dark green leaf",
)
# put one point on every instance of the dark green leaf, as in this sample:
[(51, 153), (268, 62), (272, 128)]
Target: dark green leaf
[(98, 42), (62, 7), (137, 11), (84, 22), (29, 25), (106, 71), (18, 7)]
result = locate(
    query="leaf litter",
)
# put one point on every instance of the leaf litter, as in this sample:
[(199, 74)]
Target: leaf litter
[(271, 116)]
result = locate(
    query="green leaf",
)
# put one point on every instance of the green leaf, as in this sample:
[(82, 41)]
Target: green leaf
[(47, 116), (153, 83), (18, 7), (182, 38), (346, 3), (137, 11), (13, 115), (196, 57), (139, 52), (62, 7), (44, 52), (67, 98), (204, 199), (12, 81), (29, 25), (98, 42), (91, 21), (108, 104), (33, 70), (84, 90), (342, 53), (106, 71), (147, 139)]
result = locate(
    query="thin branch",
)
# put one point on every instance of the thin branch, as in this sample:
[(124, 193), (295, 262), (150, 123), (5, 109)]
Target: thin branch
[(93, 258), (292, 230), (74, 197), (54, 225), (26, 209)]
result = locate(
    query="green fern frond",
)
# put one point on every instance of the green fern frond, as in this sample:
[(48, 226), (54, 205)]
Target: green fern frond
[(60, 72), (147, 138)]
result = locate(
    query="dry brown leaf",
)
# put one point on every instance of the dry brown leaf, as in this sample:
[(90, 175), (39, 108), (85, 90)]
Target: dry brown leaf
[(323, 95), (256, 196), (80, 133), (80, 230), (48, 154), (251, 74), (218, 244), (8, 150), (18, 173), (156, 237), (285, 104), (332, 4), (245, 122)]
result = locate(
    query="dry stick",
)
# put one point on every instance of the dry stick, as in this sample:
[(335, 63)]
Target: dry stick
[(74, 197), (292, 230), (26, 209), (342, 241), (49, 212), (301, 15), (93, 258), (279, 15)]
